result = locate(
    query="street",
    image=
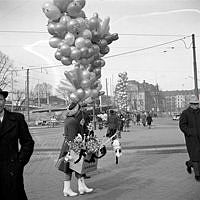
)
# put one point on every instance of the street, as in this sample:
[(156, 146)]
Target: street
[(151, 167)]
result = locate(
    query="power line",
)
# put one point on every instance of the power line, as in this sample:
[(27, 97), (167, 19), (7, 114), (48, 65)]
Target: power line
[(122, 34), (146, 48), (116, 55)]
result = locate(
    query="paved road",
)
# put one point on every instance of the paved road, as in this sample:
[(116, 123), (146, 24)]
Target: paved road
[(151, 169)]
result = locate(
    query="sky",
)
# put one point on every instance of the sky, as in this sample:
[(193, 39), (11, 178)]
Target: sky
[(154, 44)]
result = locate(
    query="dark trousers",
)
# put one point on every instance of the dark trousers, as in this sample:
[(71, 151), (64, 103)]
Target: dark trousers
[(195, 165)]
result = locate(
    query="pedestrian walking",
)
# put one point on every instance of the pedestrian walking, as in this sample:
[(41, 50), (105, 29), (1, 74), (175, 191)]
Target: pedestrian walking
[(138, 118), (113, 124), (73, 128), (143, 118), (149, 120), (189, 124), (13, 130)]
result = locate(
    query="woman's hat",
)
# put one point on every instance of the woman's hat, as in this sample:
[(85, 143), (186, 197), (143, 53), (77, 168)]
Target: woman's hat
[(73, 109), (4, 93), (194, 100)]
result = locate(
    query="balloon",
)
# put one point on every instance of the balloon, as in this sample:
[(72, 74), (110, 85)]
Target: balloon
[(54, 42), (80, 2), (87, 42), (75, 54), (95, 37), (96, 49), (74, 97), (80, 42), (68, 85), (115, 36), (51, 11), (80, 93), (101, 93), (102, 43), (87, 93), (85, 75), (86, 34), (109, 39), (104, 26), (62, 4), (82, 22), (73, 9), (81, 14), (60, 29), (69, 39), (102, 63), (58, 55), (66, 61), (105, 50), (97, 63), (84, 52), (65, 19), (74, 27), (94, 23), (84, 61), (94, 93), (65, 50), (50, 28)]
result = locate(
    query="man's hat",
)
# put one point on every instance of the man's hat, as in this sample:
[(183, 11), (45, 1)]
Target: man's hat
[(73, 109), (4, 93), (194, 100)]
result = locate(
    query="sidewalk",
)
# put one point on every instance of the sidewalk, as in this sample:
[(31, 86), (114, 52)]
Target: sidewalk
[(142, 173)]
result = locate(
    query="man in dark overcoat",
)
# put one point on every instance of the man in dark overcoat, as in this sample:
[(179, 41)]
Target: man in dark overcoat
[(189, 124), (16, 148)]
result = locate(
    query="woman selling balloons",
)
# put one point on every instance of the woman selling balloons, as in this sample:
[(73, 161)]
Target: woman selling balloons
[(81, 42)]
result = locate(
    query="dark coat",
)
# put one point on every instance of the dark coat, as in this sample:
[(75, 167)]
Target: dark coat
[(14, 130), (189, 124), (71, 129)]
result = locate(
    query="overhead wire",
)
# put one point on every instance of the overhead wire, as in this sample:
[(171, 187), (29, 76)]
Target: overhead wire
[(116, 55)]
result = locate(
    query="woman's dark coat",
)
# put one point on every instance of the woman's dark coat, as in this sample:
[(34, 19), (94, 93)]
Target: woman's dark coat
[(71, 129), (189, 124), (14, 131)]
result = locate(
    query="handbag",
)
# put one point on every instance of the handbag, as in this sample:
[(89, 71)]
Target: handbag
[(62, 165)]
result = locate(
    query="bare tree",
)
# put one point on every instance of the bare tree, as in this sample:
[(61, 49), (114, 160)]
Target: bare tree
[(6, 67), (20, 99), (43, 90), (63, 92)]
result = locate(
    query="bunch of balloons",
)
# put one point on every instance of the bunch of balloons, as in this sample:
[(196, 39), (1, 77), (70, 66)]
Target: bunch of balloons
[(121, 96), (81, 84), (76, 38)]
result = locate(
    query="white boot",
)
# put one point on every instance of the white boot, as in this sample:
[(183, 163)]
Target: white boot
[(67, 191), (82, 186)]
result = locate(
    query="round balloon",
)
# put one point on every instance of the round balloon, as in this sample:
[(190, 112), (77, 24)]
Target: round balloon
[(62, 4), (65, 50), (66, 61), (69, 39), (75, 54), (54, 42), (51, 11), (73, 9)]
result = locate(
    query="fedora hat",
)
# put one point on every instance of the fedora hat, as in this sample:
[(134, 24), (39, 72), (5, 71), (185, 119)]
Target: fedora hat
[(73, 109), (194, 100), (4, 93)]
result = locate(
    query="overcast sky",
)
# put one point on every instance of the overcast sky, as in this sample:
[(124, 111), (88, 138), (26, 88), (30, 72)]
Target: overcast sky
[(141, 25)]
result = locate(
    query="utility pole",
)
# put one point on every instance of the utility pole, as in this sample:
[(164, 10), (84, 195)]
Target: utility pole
[(195, 67), (27, 93), (12, 90)]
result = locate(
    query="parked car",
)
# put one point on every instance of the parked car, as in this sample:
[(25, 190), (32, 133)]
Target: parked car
[(176, 116)]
